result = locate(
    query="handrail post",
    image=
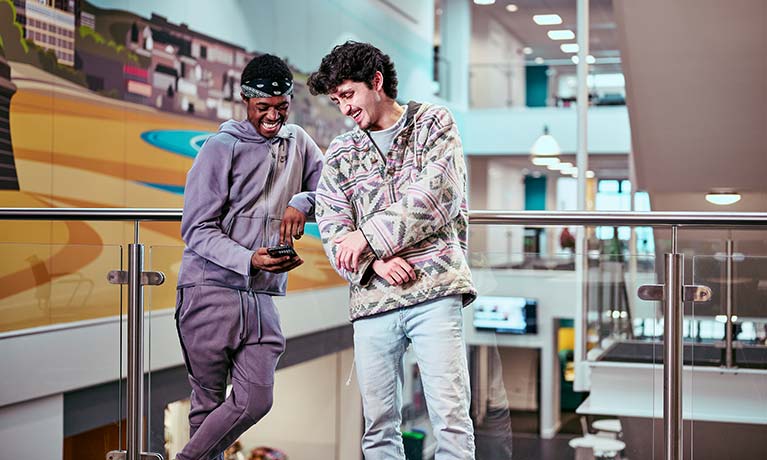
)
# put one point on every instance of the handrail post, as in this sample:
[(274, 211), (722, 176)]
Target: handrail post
[(728, 289), (135, 438), (135, 277), (673, 294), (673, 303)]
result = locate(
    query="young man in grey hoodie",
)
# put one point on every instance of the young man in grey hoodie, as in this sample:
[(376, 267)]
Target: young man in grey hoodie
[(251, 187)]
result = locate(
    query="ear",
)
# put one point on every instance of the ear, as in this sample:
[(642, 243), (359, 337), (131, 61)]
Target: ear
[(244, 97), (378, 81)]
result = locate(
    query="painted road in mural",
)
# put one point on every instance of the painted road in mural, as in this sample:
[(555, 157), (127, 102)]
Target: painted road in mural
[(74, 148)]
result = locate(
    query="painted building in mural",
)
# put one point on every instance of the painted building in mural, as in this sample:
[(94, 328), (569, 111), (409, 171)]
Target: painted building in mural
[(188, 71), (51, 25), (8, 178)]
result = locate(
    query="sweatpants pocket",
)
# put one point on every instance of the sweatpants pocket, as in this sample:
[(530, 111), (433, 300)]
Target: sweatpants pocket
[(179, 307)]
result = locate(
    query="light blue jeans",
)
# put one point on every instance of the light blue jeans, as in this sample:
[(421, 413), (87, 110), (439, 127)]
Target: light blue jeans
[(435, 329)]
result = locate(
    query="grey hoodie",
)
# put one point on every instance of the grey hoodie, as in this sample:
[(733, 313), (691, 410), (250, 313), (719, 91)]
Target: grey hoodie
[(236, 193)]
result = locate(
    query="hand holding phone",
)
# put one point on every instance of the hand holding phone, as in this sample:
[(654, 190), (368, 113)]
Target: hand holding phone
[(277, 259), (281, 251)]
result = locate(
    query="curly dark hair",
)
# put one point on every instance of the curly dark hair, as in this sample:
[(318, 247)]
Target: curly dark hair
[(356, 62), (265, 66)]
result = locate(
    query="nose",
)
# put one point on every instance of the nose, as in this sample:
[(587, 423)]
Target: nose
[(348, 110), (272, 113)]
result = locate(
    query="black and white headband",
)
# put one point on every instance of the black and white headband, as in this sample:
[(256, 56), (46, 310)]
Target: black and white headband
[(265, 87)]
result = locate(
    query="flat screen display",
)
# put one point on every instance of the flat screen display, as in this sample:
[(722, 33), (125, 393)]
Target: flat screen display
[(509, 315)]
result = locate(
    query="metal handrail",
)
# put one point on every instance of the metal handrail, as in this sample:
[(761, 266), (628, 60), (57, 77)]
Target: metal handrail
[(478, 217), (100, 214), (672, 293)]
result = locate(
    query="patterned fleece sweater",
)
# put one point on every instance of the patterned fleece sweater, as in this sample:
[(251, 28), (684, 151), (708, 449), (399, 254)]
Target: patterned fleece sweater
[(409, 202)]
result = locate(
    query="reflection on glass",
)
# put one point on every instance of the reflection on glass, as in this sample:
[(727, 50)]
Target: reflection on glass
[(45, 284)]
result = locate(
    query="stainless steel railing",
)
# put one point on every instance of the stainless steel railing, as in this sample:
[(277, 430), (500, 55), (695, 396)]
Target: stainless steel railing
[(672, 292)]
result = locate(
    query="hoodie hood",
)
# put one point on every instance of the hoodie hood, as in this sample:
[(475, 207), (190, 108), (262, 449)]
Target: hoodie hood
[(244, 130)]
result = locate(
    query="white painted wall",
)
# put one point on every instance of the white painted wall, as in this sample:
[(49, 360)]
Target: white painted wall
[(513, 131), (555, 292), (520, 377), (33, 429), (497, 65), (455, 33), (505, 191), (315, 414), (496, 186)]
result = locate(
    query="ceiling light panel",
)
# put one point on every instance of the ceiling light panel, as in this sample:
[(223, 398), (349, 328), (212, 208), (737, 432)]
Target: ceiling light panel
[(569, 47), (547, 19), (564, 34)]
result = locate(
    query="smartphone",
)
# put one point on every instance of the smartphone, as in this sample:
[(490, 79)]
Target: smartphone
[(281, 251)]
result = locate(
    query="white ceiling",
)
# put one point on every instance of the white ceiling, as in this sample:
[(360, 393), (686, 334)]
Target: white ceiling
[(603, 40), (696, 80)]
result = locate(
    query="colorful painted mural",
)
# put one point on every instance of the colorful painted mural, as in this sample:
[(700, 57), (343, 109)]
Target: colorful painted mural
[(104, 108)]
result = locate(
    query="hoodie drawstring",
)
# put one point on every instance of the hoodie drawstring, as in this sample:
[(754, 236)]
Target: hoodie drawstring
[(351, 372)]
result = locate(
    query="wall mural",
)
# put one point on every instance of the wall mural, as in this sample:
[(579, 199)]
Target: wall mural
[(105, 108)]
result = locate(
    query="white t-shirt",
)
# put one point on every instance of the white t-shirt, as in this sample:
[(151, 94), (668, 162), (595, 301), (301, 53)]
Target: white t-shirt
[(385, 137)]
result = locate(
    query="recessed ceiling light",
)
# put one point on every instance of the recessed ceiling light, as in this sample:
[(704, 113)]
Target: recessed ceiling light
[(723, 318), (589, 59), (512, 8), (547, 19), (560, 166), (570, 171), (565, 34), (539, 60), (723, 197), (569, 47), (484, 2), (527, 50), (545, 161)]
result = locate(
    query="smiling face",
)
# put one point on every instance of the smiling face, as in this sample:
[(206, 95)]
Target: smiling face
[(359, 102), (267, 114)]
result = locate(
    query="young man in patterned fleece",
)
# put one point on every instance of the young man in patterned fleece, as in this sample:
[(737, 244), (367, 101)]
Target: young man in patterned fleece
[(391, 207)]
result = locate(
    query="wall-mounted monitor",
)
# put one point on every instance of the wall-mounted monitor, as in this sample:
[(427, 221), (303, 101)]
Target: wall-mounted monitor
[(508, 315)]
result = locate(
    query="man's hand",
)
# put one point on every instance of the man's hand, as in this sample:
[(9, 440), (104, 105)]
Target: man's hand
[(350, 247), (263, 261), (292, 226), (395, 271)]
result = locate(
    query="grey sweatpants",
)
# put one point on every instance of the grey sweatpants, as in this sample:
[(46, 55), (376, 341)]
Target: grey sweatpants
[(225, 331)]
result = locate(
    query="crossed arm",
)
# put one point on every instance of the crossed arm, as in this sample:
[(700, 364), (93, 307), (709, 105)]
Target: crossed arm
[(429, 203)]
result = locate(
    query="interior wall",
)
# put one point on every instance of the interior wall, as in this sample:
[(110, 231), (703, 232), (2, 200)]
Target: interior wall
[(315, 414), (506, 191), (494, 185), (497, 67), (33, 429), (477, 174), (520, 377)]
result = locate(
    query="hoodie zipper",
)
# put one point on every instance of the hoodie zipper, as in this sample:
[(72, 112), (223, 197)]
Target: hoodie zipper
[(268, 187)]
